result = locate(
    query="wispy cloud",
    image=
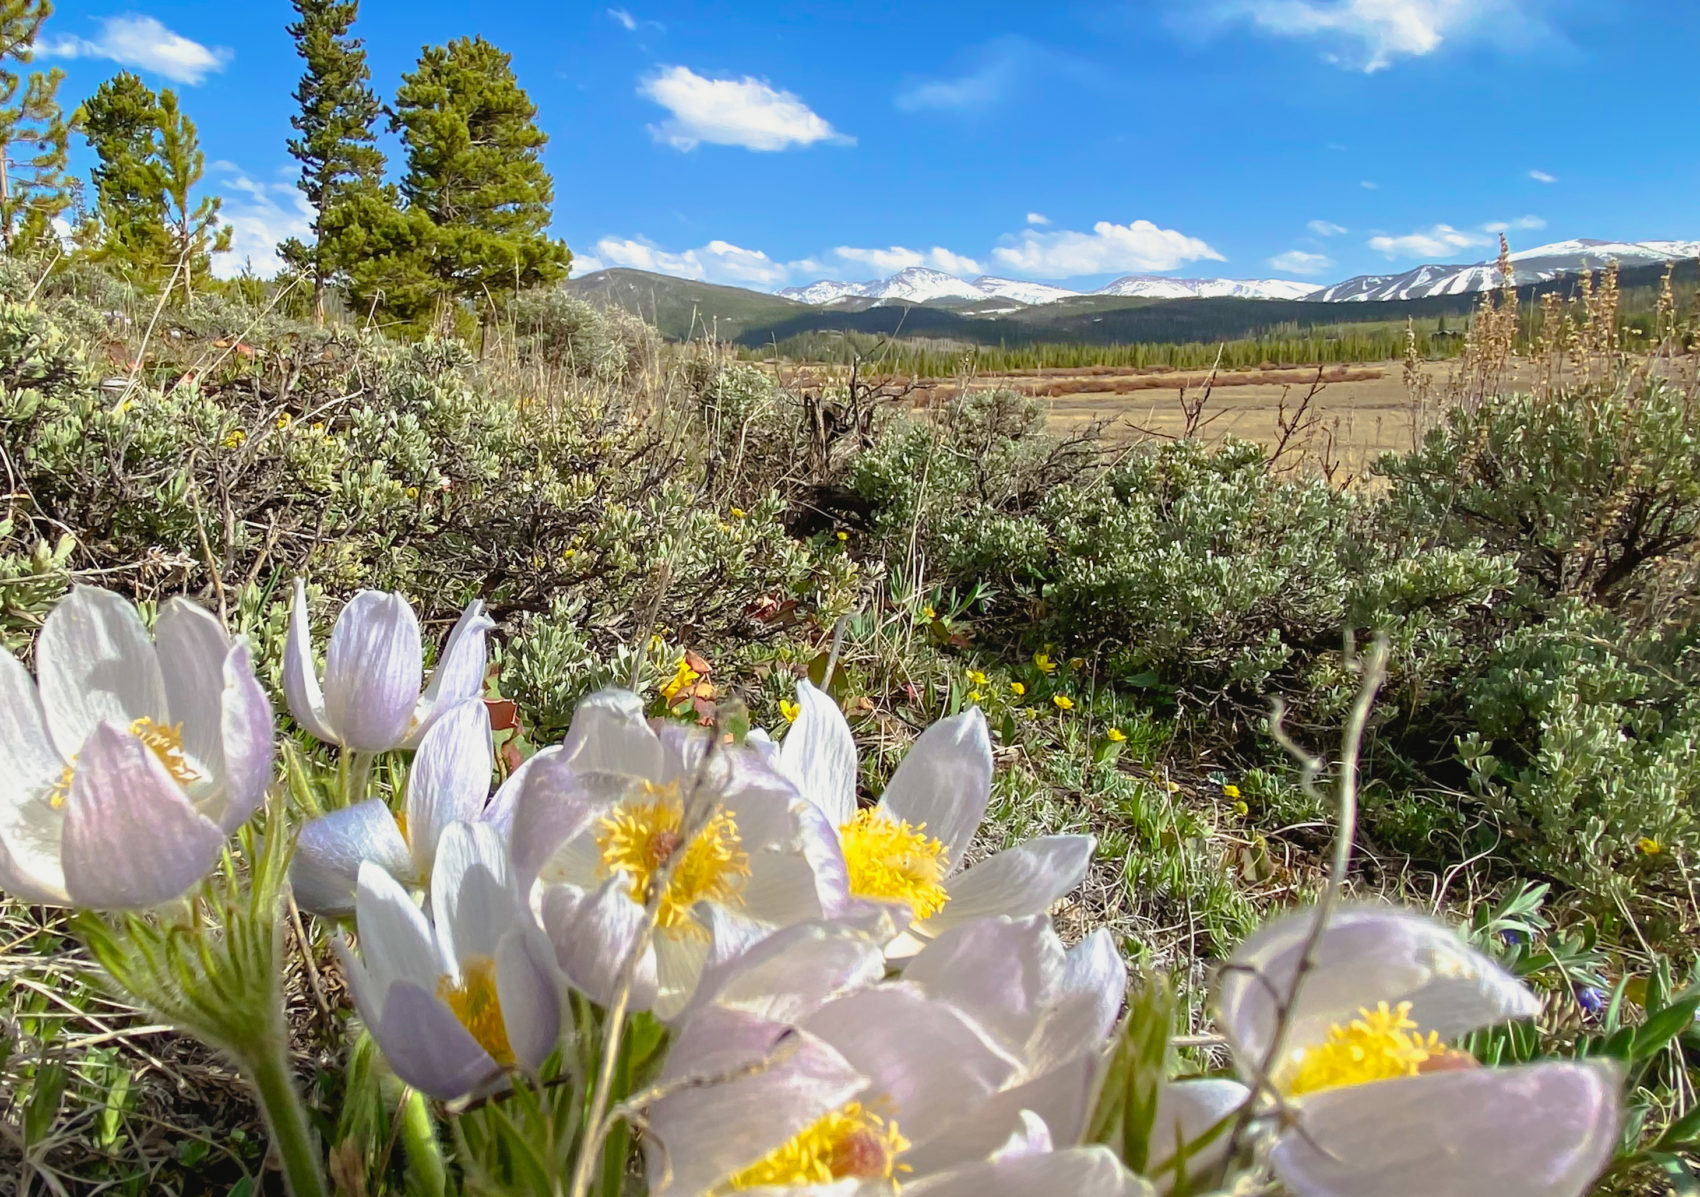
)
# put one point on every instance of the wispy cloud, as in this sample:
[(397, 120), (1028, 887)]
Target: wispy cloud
[(1327, 228), (142, 42), (995, 72), (1369, 185), (745, 112), (1522, 224), (1541, 176), (1109, 248), (716, 262), (1444, 241), (260, 215), (1038, 218), (896, 257), (623, 18), (1297, 261), (1371, 35)]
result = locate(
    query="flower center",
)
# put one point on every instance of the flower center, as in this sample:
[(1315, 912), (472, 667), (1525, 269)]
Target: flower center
[(640, 838), (1379, 1045), (473, 1000), (892, 861), (849, 1143), (165, 741)]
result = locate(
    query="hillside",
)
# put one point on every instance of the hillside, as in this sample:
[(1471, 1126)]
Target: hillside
[(683, 308)]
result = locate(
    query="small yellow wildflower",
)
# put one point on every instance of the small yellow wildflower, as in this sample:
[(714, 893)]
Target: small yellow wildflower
[(976, 678), (1230, 791), (1077, 663), (1115, 735), (929, 613), (737, 513), (1649, 846), (1043, 662), (568, 554), (234, 439), (413, 492), (682, 677), (1063, 701), (844, 536), (284, 419), (1174, 787), (1241, 809), (1017, 689), (976, 696), (316, 426), (789, 709)]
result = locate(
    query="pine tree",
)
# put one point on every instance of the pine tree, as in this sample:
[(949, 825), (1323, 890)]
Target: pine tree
[(478, 198), (341, 165), (195, 232), (121, 123), (34, 137)]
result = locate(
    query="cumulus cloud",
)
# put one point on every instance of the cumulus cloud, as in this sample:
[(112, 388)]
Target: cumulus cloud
[(1541, 176), (896, 257), (716, 262), (1440, 240), (745, 112), (1038, 218), (142, 42), (1108, 249), (1370, 35), (1297, 261), (1327, 228), (260, 216)]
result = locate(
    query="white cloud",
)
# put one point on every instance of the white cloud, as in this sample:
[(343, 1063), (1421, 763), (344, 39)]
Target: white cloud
[(1109, 248), (623, 18), (1297, 261), (584, 264), (744, 112), (260, 215), (1369, 185), (1038, 218), (1435, 242), (896, 257), (1521, 224), (1370, 35), (1327, 228), (1541, 176), (716, 262), (143, 42)]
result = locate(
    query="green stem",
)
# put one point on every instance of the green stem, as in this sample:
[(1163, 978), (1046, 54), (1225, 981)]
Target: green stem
[(286, 1120), (424, 1152)]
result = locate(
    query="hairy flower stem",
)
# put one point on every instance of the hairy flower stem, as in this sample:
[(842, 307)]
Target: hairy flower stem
[(425, 1166), (286, 1118)]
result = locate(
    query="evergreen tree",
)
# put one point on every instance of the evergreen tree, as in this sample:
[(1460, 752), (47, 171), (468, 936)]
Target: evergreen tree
[(121, 123), (195, 232), (34, 137), (478, 198), (341, 165)]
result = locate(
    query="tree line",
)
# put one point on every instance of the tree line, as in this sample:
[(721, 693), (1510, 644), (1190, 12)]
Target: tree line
[(466, 222)]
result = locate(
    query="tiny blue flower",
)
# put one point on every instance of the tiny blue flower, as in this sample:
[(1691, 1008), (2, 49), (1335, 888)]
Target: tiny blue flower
[(1514, 937), (1591, 999)]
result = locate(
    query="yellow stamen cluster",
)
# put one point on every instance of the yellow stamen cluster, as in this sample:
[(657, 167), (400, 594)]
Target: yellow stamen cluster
[(165, 741), (638, 838), (1379, 1045), (850, 1143), (474, 1002), (895, 862)]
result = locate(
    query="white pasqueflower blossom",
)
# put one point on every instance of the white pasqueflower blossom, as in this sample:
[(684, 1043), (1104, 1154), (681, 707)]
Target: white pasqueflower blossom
[(456, 1000), (370, 699), (134, 761), (596, 819), (798, 1067), (1376, 1101), (909, 848), (448, 782)]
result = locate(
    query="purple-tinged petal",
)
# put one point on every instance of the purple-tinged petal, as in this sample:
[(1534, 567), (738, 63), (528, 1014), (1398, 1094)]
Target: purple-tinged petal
[(593, 933), (395, 940), (1075, 1171), (472, 894), (301, 691), (821, 847), (132, 838), (610, 735), (372, 672), (325, 872), (1002, 973), (819, 754), (1186, 1110), (1086, 1005), (679, 961), (30, 828), (530, 1001), (1536, 1130), (429, 1048), (95, 662), (945, 782), (191, 647), (459, 674), (553, 807), (249, 736), (449, 781), (1060, 1098), (793, 972)]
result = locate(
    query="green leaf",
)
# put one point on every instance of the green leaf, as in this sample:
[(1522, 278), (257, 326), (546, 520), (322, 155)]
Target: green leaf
[(45, 1095), (1652, 1035)]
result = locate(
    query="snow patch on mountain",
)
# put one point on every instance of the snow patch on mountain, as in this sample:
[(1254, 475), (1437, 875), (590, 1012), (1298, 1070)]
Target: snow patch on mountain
[(1156, 286), (1538, 265)]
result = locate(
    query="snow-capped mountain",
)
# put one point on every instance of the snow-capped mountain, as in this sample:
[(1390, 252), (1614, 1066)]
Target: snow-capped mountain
[(916, 284), (1009, 288), (1538, 265), (1156, 286)]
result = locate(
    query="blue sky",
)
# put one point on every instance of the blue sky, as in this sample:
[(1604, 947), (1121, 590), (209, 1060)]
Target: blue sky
[(766, 144)]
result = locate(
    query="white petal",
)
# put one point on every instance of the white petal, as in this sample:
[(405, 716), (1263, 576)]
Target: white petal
[(552, 805), (1004, 974), (191, 650), (326, 869), (372, 671), (819, 754), (132, 839), (819, 844), (95, 662), (945, 782), (1077, 1172), (449, 780), (923, 1055), (428, 1047), (609, 735), (473, 900), (395, 940), (301, 690), (1368, 954), (593, 933), (459, 673), (1538, 1130), (679, 961), (30, 829), (499, 812), (1027, 879), (530, 1001), (1059, 1098), (794, 972), (1087, 1004), (1185, 1111), (248, 734), (738, 1110), (781, 889)]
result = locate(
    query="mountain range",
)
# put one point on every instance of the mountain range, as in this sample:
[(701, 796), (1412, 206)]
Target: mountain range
[(918, 284)]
